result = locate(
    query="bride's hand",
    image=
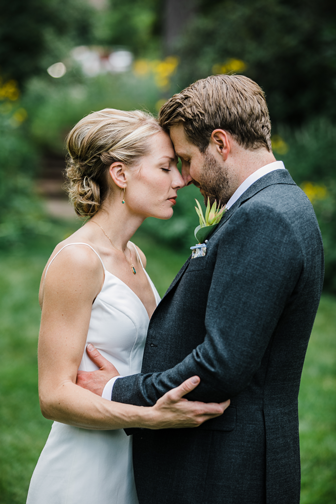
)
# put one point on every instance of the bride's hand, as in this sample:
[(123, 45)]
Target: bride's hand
[(95, 381), (172, 411)]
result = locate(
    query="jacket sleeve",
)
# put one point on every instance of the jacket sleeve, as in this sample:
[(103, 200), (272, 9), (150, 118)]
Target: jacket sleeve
[(258, 264)]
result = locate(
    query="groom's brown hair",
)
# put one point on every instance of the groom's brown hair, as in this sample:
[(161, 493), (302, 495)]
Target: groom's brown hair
[(233, 103)]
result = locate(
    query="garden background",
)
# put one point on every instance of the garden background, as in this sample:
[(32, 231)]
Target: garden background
[(61, 59)]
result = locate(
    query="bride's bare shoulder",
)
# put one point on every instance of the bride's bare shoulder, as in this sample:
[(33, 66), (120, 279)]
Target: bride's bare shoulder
[(73, 261)]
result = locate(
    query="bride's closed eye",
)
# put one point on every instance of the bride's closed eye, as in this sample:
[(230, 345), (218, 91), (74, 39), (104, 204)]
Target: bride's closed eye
[(165, 169)]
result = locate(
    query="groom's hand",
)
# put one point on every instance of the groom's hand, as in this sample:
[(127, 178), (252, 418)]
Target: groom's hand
[(95, 381), (173, 411)]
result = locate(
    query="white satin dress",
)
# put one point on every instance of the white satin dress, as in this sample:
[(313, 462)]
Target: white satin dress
[(80, 466)]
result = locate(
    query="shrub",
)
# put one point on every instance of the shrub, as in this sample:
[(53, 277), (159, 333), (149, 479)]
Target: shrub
[(21, 212), (311, 161), (56, 105)]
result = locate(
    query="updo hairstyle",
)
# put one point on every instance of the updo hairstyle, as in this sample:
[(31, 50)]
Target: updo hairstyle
[(97, 141)]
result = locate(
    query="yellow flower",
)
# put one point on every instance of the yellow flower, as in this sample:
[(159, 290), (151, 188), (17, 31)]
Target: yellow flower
[(141, 67), (20, 115), (230, 66), (279, 145), (162, 70), (9, 90), (314, 191)]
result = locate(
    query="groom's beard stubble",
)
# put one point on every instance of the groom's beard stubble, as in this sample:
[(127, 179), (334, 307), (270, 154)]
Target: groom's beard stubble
[(214, 181)]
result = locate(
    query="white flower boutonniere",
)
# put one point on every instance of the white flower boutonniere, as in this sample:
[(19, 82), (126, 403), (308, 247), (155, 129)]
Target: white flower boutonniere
[(207, 224)]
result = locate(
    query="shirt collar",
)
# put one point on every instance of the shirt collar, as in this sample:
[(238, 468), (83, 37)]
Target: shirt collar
[(276, 165)]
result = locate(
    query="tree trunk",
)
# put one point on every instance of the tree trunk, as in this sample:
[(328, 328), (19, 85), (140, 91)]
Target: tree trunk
[(177, 14)]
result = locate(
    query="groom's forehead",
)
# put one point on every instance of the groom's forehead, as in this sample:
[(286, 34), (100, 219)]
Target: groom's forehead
[(181, 143), (178, 137)]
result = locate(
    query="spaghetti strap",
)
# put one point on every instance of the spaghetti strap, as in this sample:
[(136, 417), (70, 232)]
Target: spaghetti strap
[(138, 255), (68, 245)]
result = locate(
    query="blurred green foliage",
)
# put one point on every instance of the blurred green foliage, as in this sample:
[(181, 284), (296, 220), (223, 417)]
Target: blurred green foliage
[(325, 209), (310, 158), (21, 212), (317, 410), (36, 33), (54, 106), (287, 46), (134, 24)]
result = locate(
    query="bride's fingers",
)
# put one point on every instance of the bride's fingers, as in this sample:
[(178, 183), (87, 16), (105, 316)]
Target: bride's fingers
[(98, 359)]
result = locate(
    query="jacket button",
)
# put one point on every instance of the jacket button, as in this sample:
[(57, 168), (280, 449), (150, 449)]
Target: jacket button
[(151, 344)]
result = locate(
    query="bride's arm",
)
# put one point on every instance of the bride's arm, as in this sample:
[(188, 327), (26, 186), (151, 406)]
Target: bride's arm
[(73, 281)]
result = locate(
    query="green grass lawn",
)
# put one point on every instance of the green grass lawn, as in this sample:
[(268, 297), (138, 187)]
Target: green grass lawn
[(23, 430)]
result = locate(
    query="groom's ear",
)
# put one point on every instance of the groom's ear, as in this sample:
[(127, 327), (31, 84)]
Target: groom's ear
[(221, 141)]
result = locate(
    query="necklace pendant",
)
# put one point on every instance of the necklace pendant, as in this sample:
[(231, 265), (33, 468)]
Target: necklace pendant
[(134, 271)]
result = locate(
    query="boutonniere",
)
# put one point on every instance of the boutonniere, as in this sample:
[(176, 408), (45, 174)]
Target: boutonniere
[(207, 224)]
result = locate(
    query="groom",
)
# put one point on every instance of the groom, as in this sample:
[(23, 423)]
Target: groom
[(239, 317)]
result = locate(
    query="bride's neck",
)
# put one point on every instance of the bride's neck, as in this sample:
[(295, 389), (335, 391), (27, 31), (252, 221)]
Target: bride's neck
[(118, 222)]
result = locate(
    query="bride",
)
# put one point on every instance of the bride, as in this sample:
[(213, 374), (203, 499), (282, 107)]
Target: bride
[(95, 290)]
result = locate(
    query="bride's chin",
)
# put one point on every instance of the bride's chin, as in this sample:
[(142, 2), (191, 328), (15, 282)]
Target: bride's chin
[(164, 215)]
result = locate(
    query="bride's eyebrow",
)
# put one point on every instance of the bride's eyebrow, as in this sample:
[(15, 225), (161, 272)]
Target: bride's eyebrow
[(167, 158)]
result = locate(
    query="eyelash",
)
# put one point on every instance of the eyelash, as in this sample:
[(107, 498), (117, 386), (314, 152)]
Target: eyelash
[(165, 169)]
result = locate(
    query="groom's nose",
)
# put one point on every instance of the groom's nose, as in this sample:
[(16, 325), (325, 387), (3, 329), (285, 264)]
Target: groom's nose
[(185, 172)]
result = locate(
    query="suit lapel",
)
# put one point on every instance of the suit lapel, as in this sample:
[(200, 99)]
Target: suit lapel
[(272, 178), (178, 277)]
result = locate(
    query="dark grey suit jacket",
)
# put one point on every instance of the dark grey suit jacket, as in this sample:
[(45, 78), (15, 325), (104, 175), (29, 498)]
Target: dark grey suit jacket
[(240, 318)]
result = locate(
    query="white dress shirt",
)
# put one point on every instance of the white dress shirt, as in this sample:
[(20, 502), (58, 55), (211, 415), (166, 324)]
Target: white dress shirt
[(276, 165)]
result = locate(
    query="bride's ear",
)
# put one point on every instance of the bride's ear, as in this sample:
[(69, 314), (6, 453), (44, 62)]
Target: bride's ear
[(118, 174)]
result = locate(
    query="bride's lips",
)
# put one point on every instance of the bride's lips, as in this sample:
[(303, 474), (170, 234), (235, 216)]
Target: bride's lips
[(173, 200)]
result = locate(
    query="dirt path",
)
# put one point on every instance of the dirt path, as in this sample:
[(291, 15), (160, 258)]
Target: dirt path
[(50, 186)]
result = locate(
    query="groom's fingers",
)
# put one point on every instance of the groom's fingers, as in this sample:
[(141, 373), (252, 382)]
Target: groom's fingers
[(211, 410), (187, 386), (218, 407), (98, 359), (204, 410)]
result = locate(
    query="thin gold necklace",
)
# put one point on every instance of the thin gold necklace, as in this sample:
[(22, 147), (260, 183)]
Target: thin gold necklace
[(131, 264)]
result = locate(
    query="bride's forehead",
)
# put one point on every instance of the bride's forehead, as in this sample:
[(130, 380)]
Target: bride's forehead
[(161, 145)]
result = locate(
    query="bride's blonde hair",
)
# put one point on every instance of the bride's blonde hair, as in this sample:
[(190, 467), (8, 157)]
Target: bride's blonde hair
[(97, 141)]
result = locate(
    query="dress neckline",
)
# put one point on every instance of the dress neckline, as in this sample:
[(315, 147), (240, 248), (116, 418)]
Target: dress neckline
[(130, 289)]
